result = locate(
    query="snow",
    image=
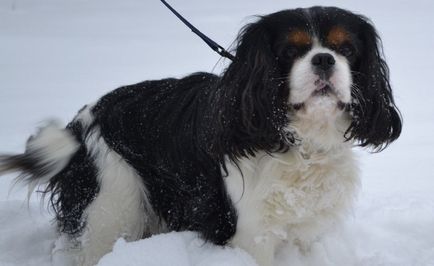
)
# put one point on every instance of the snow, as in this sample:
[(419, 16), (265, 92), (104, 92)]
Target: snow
[(185, 249), (57, 56)]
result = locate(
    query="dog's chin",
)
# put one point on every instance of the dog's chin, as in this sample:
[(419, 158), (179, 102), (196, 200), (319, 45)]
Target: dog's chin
[(324, 103), (322, 117)]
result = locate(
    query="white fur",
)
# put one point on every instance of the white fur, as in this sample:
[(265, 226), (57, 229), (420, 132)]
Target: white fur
[(53, 146), (120, 209), (292, 197), (297, 195), (85, 116)]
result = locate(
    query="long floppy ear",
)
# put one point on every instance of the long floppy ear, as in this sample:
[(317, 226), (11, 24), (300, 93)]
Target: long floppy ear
[(256, 95), (376, 119)]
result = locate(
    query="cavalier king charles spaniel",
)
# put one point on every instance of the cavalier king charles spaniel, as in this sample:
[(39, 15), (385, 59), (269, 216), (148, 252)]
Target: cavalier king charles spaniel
[(255, 157)]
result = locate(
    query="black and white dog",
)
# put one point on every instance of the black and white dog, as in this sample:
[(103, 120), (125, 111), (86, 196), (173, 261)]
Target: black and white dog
[(259, 155)]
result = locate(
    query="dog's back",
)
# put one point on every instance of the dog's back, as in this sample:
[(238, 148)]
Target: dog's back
[(128, 167)]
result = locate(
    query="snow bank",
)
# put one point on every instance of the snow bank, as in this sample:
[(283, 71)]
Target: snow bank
[(180, 249)]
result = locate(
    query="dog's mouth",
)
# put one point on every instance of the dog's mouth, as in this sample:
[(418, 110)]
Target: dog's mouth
[(323, 88)]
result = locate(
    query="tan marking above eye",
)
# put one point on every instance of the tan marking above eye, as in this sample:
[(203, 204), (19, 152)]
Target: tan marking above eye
[(300, 38), (337, 36)]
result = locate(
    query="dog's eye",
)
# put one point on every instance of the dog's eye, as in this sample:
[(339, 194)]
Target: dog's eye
[(346, 50), (291, 51)]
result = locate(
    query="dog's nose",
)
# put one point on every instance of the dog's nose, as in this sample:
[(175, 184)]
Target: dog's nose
[(323, 61)]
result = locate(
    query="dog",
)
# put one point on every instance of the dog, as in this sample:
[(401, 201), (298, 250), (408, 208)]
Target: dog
[(257, 156)]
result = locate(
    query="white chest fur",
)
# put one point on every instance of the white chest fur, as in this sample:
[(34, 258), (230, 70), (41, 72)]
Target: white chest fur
[(292, 196)]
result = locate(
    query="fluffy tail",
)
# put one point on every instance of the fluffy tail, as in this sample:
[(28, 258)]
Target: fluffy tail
[(47, 153)]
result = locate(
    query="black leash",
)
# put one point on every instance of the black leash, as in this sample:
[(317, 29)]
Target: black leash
[(220, 50)]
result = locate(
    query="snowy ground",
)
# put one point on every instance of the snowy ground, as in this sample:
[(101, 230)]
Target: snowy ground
[(56, 56)]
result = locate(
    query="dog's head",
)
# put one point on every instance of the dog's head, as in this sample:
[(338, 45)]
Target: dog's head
[(317, 64)]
